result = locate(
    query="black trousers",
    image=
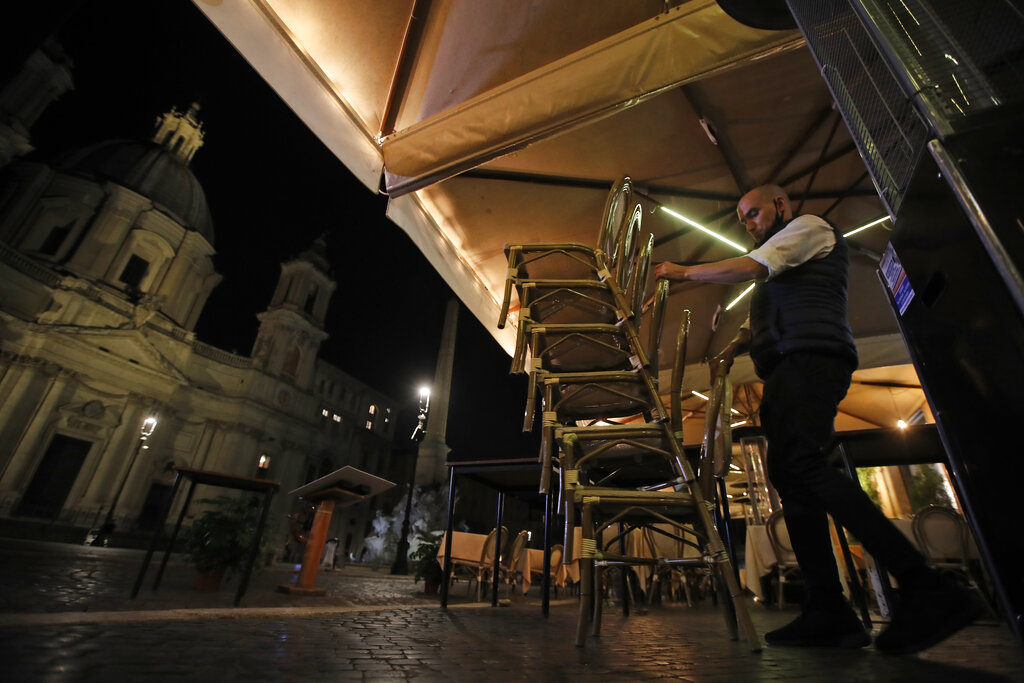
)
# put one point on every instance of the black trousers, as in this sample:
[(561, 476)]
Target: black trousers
[(798, 410)]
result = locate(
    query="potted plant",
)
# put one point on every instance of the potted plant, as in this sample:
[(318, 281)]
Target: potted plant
[(425, 564), (220, 539)]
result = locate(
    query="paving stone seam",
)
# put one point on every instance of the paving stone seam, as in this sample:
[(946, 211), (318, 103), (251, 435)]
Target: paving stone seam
[(61, 618)]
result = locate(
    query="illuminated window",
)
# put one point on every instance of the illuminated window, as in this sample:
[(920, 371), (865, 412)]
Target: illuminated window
[(325, 412), (336, 417), (387, 415)]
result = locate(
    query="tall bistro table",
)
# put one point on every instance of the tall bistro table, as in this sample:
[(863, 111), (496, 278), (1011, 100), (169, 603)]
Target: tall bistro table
[(342, 487), (519, 477), (266, 487)]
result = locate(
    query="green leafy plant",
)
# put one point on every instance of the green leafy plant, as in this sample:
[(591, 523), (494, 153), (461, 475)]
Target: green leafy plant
[(424, 560), (221, 537), (927, 487)]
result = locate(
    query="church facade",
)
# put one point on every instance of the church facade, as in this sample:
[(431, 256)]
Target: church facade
[(106, 262)]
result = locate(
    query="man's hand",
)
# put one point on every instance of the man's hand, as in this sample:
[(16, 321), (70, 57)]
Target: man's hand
[(670, 271), (722, 363)]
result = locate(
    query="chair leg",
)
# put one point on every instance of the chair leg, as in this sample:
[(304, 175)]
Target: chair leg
[(686, 589), (728, 606), (586, 576)]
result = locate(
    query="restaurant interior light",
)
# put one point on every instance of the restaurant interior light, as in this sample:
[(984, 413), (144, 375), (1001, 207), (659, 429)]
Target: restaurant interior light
[(700, 395), (700, 227), (902, 424)]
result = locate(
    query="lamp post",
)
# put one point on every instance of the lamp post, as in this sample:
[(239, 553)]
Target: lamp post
[(107, 530), (401, 565)]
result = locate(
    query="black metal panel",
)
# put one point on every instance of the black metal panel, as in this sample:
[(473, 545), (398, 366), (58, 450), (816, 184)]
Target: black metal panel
[(965, 333), (933, 93)]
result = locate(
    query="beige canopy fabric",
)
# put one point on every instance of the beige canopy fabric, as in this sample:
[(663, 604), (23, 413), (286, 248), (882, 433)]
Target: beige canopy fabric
[(508, 121)]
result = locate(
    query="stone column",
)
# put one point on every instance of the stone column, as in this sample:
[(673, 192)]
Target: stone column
[(433, 451), (29, 448)]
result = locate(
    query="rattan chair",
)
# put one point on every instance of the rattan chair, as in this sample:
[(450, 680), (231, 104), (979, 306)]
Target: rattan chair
[(511, 563), (479, 571), (786, 568), (944, 539)]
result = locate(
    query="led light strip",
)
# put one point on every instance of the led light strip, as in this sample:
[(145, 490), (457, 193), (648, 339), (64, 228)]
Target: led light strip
[(866, 226), (700, 227), (700, 395)]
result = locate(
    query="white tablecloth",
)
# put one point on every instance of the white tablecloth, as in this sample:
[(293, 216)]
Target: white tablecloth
[(466, 548), (760, 558)]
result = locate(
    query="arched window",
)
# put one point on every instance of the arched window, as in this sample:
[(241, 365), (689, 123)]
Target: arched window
[(134, 270), (291, 361), (310, 299), (56, 238)]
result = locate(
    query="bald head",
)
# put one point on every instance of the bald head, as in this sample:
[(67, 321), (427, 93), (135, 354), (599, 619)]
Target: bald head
[(761, 208)]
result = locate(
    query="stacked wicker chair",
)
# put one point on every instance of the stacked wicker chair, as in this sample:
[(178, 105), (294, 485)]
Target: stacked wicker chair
[(592, 355)]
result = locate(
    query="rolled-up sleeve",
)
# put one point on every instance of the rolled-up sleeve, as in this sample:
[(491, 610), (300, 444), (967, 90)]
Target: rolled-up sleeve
[(806, 238)]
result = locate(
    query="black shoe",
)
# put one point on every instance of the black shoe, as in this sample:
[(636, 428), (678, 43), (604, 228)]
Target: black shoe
[(834, 626), (927, 615)]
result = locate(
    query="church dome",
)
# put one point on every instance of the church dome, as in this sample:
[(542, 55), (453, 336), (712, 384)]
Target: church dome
[(150, 169)]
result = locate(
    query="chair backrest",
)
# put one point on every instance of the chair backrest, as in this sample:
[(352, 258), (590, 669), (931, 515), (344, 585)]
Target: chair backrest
[(506, 542), (487, 552), (513, 556), (556, 557), (616, 215), (941, 533), (778, 535), (620, 239)]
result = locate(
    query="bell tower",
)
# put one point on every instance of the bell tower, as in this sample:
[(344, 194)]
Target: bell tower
[(180, 132), (292, 328)]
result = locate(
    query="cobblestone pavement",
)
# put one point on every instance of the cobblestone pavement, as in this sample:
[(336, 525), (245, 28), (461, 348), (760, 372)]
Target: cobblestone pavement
[(64, 616)]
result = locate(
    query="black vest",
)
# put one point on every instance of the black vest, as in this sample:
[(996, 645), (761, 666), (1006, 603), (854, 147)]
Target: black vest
[(803, 309)]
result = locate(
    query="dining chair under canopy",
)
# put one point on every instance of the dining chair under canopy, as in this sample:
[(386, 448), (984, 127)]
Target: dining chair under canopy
[(786, 568), (944, 539)]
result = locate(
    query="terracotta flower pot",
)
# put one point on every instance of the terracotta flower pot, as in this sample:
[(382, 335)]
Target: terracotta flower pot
[(208, 581), (430, 587)]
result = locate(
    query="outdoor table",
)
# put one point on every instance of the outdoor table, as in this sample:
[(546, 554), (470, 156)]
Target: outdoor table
[(210, 478)]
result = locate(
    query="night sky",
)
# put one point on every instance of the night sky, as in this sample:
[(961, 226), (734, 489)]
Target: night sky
[(272, 188)]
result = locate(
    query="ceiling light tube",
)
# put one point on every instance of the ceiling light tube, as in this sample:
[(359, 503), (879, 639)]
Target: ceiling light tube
[(700, 395), (866, 226), (703, 229), (742, 294)]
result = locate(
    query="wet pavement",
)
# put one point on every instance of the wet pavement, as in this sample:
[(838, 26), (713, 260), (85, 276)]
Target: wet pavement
[(65, 616)]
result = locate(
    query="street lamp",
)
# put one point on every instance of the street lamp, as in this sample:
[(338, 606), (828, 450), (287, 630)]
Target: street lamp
[(107, 530), (263, 466), (401, 565)]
